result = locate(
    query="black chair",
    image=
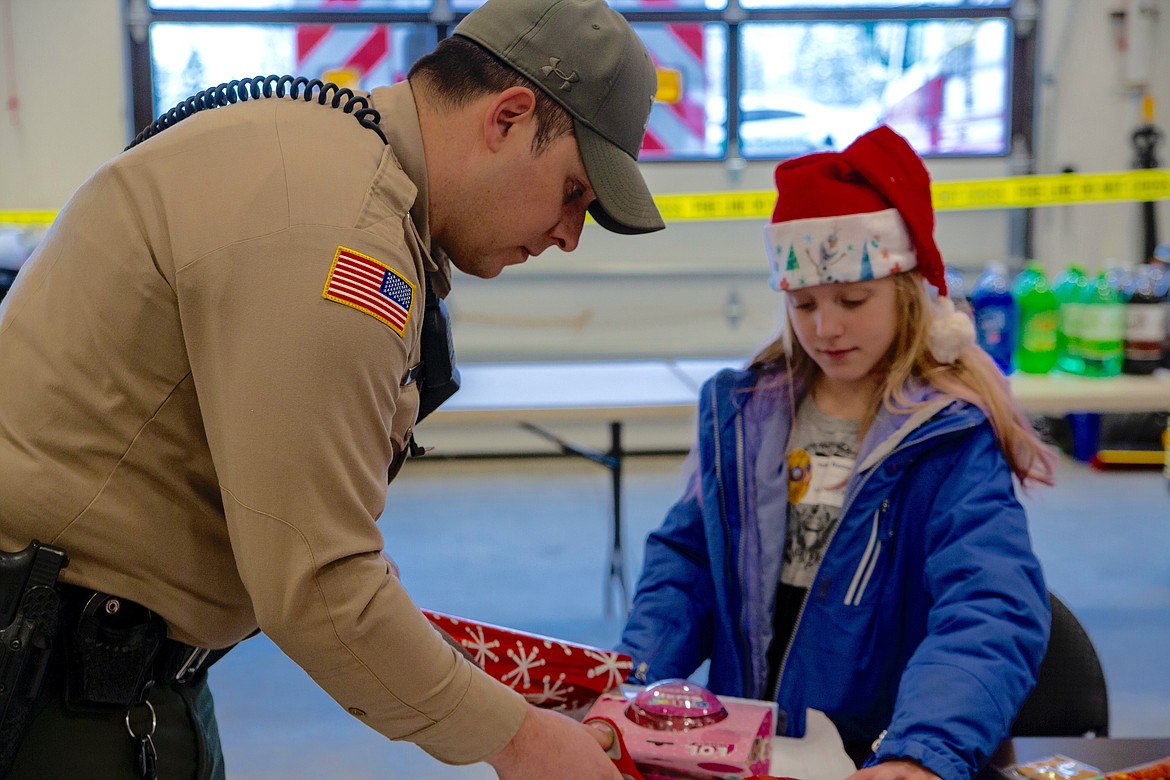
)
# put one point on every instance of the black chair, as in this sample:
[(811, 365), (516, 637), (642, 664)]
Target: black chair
[(1070, 698)]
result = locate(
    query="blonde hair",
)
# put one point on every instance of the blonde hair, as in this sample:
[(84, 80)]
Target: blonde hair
[(973, 378)]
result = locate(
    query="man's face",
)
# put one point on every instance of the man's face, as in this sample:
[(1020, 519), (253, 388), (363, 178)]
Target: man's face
[(524, 203)]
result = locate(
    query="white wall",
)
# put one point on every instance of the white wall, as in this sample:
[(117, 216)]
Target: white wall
[(696, 289), (1088, 112), (70, 81)]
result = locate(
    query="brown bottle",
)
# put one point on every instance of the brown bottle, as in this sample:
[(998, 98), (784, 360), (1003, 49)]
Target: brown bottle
[(1145, 323)]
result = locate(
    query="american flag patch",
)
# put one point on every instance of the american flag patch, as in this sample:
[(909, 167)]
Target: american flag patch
[(365, 284)]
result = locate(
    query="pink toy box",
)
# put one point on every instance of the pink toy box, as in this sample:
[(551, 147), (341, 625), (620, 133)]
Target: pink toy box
[(677, 729)]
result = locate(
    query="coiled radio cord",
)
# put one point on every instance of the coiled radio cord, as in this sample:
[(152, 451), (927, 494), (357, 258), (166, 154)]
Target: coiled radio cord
[(257, 87)]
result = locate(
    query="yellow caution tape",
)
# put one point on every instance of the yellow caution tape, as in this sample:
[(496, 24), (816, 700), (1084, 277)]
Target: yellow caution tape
[(27, 217), (1007, 193), (1059, 190), (716, 205)]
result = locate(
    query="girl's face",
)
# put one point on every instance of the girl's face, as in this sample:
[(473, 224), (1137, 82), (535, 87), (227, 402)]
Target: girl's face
[(846, 328)]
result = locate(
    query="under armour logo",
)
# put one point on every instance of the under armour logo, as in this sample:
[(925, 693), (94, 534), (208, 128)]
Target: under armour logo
[(554, 67)]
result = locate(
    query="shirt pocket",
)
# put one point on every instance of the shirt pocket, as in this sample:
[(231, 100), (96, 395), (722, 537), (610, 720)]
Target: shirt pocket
[(877, 549)]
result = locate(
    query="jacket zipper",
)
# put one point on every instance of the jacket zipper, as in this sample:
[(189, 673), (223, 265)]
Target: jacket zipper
[(736, 576), (775, 693), (727, 564), (739, 464)]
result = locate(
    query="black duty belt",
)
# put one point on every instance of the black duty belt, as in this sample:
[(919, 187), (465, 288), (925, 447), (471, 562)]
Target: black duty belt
[(108, 652)]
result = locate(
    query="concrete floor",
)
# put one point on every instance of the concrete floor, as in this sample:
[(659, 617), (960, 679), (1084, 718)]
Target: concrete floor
[(523, 543)]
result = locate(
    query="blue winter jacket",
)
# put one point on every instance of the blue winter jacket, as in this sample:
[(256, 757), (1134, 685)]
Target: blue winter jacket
[(928, 617)]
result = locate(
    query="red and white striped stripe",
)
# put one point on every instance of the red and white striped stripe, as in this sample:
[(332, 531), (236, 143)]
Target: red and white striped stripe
[(362, 48), (679, 127)]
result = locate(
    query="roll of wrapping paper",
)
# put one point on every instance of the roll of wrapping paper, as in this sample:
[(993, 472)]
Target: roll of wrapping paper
[(550, 673)]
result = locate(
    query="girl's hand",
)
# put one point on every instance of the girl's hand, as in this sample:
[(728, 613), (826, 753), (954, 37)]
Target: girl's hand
[(897, 769)]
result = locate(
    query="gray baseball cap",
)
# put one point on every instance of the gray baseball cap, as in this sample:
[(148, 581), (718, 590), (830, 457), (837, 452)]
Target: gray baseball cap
[(586, 57)]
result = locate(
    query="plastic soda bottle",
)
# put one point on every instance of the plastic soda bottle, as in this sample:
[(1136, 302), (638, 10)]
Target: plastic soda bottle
[(1102, 328), (1039, 321), (994, 310), (1145, 323), (1070, 289), (957, 290), (1160, 265), (1117, 273), (1161, 275)]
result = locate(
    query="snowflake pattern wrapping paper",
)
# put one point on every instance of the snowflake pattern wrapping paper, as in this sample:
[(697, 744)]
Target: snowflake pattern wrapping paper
[(549, 673)]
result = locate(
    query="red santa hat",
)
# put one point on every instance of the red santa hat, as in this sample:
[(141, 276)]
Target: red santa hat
[(863, 213)]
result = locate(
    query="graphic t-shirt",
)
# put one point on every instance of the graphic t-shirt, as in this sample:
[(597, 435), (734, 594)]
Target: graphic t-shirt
[(821, 454), (820, 457)]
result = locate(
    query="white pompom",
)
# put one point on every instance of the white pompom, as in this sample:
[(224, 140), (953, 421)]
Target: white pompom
[(951, 332)]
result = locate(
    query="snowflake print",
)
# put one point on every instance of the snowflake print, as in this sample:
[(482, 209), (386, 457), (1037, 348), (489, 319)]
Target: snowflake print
[(524, 664), (479, 646), (611, 665), (554, 692)]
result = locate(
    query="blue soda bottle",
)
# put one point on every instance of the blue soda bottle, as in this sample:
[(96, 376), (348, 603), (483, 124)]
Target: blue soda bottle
[(994, 310)]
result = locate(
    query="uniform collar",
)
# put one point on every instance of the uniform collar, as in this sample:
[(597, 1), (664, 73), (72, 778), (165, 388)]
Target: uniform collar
[(401, 126)]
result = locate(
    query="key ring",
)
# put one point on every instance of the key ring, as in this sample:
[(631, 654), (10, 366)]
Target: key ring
[(153, 723)]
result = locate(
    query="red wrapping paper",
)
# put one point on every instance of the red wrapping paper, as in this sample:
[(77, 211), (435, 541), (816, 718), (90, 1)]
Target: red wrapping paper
[(550, 673)]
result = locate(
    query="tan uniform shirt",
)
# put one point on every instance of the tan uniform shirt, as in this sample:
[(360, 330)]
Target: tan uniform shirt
[(185, 412)]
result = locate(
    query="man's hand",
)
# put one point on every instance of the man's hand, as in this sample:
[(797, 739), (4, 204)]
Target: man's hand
[(549, 745), (895, 770)]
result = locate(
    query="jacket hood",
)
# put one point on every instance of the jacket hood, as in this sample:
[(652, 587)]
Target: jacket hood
[(929, 411)]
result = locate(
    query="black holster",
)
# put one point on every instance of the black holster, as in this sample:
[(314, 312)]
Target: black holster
[(111, 645), (29, 615), (117, 650)]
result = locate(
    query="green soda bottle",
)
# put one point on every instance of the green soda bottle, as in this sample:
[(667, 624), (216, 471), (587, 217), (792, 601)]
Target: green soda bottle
[(1102, 328), (1070, 289), (1039, 321)]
